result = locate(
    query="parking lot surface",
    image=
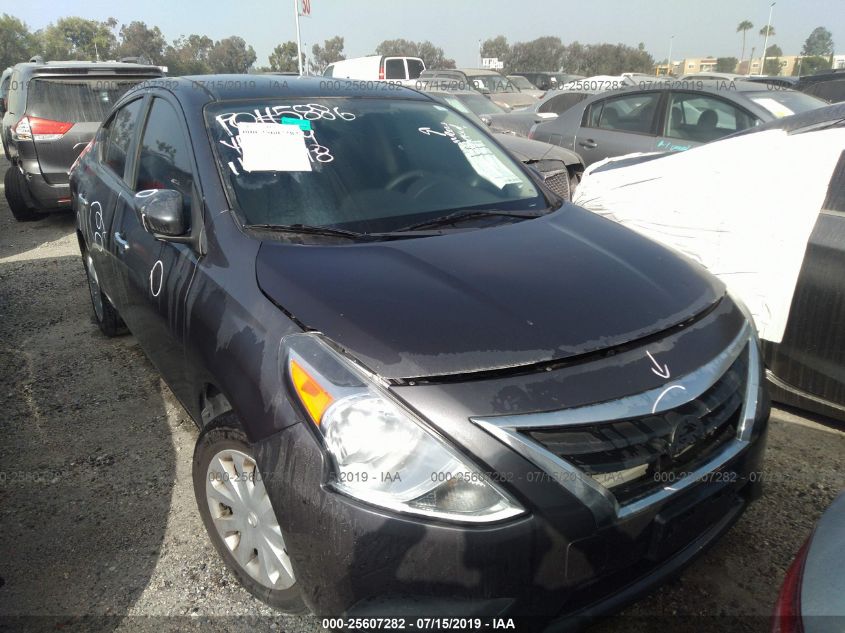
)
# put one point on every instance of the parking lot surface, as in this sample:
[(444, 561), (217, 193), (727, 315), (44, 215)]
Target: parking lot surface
[(97, 514)]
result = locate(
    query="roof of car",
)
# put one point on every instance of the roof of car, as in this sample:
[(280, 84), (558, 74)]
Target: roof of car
[(71, 67), (237, 87)]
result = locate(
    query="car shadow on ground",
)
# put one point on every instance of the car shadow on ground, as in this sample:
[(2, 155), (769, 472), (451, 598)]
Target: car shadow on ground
[(86, 456)]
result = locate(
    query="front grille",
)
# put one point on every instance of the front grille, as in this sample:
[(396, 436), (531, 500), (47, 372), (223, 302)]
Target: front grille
[(558, 182), (634, 457)]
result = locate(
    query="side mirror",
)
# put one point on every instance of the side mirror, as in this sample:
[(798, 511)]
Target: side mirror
[(487, 120), (3, 105), (161, 212)]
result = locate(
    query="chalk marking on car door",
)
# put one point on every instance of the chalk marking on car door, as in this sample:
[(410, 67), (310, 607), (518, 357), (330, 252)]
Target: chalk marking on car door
[(98, 223), (155, 292)]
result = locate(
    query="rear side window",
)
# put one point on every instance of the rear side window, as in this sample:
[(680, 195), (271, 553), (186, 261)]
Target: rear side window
[(164, 161), (415, 68), (75, 100), (117, 135), (394, 68), (703, 119), (329, 71), (562, 102), (628, 113)]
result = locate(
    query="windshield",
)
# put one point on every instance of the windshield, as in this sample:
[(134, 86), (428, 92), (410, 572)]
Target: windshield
[(75, 100), (476, 104), (522, 83), (781, 103), (360, 164), (493, 83)]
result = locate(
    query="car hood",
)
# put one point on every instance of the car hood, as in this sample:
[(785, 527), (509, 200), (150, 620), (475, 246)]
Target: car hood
[(551, 288), (528, 150), (512, 99)]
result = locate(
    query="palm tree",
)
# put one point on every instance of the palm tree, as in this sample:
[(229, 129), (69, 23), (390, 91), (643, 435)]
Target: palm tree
[(744, 26), (767, 31)]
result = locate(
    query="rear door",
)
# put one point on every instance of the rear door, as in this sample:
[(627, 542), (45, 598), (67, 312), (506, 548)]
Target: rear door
[(157, 273), (98, 192), (693, 118), (65, 113), (619, 125)]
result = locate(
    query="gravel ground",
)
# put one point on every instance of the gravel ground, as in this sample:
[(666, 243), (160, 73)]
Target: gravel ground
[(98, 524)]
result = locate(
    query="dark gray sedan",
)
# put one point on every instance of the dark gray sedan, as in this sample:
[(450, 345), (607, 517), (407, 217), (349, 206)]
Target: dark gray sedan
[(667, 116)]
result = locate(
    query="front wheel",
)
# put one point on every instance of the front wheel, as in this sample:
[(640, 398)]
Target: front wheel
[(239, 517)]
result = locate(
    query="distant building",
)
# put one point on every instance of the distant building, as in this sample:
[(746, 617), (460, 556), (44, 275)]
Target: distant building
[(694, 65)]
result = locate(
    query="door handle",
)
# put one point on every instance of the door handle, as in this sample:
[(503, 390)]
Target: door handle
[(120, 240), (589, 144)]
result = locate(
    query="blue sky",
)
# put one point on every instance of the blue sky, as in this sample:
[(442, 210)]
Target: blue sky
[(700, 28)]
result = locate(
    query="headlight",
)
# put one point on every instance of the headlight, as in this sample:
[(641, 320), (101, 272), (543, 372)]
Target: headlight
[(381, 452)]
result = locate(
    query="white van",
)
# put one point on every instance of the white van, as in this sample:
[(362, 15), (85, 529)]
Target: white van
[(376, 67)]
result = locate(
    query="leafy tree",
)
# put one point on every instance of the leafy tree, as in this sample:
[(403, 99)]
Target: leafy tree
[(433, 56), (606, 59), (189, 55), (726, 64), (138, 40), (283, 58), (544, 53), (231, 55), (772, 66), (774, 51), (17, 42), (811, 65), (322, 56), (820, 42), (497, 47), (743, 27), (77, 38)]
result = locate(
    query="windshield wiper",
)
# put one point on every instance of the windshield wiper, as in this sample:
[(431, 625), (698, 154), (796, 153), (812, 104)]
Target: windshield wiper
[(308, 229), (467, 214)]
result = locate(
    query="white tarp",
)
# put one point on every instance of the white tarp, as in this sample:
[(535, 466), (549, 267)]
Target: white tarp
[(742, 207)]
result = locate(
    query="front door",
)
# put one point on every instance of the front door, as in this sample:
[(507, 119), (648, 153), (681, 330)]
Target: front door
[(618, 125), (157, 273)]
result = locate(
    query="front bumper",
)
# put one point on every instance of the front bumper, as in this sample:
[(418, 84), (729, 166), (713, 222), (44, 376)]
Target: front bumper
[(564, 558)]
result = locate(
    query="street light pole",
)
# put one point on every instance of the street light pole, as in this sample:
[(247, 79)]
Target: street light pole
[(766, 41), (669, 62), (298, 37)]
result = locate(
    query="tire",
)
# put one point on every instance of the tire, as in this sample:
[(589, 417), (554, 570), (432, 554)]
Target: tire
[(13, 182), (223, 464), (105, 315)]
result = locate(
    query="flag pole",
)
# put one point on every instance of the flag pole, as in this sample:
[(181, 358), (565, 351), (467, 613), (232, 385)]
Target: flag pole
[(298, 37)]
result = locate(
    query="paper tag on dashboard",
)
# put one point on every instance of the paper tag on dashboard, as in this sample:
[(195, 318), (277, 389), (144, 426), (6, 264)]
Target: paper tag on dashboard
[(273, 147)]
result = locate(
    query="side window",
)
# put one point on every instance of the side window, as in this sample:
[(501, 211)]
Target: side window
[(694, 117), (394, 68), (164, 161), (562, 102), (626, 113), (16, 93), (329, 71), (117, 135), (415, 68)]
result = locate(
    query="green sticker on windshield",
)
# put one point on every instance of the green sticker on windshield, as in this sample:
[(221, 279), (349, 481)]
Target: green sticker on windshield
[(301, 123)]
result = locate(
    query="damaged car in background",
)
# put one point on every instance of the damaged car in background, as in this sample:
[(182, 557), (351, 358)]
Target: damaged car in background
[(788, 272), (424, 383), (560, 168)]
